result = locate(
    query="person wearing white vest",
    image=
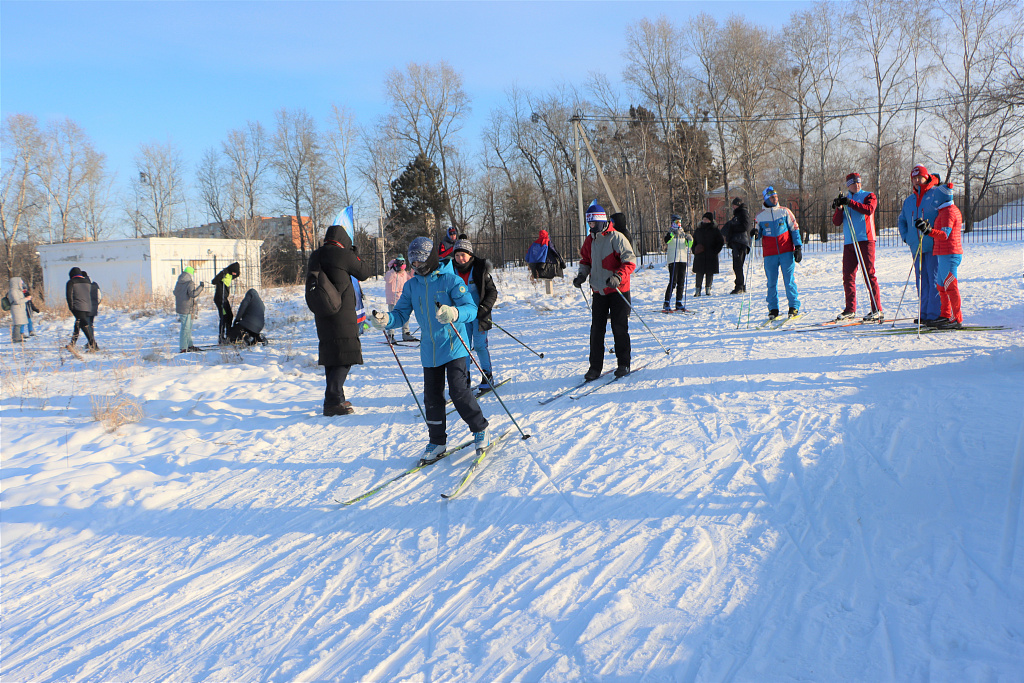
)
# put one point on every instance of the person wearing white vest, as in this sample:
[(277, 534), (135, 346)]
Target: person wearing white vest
[(855, 213)]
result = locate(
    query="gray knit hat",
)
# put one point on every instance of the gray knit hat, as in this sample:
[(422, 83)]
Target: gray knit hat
[(420, 250), (463, 245)]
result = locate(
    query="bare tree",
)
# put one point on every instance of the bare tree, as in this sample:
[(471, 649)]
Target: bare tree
[(22, 145), (296, 148), (701, 36), (428, 109), (97, 199), (158, 190), (379, 163), (654, 70), (750, 61), (879, 36), (340, 142), (978, 37), (69, 163)]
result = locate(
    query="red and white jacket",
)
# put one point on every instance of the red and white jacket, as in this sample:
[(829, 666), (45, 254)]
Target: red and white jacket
[(610, 253), (946, 231)]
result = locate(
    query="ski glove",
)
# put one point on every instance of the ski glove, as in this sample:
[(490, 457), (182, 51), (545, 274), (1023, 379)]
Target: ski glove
[(840, 201), (798, 254), (578, 281), (447, 314), (668, 237), (614, 281), (380, 320), (923, 225)]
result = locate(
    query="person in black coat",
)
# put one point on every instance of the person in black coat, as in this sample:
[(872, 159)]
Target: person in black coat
[(707, 243), (222, 298), (78, 292), (339, 333), (737, 232), (476, 273)]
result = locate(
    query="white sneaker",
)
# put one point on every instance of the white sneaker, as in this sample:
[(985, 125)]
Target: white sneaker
[(481, 440)]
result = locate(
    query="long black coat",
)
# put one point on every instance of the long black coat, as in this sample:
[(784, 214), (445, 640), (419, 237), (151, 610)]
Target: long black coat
[(710, 237), (339, 333), (481, 275)]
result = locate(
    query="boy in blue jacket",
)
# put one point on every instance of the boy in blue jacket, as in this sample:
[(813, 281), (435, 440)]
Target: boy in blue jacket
[(440, 300)]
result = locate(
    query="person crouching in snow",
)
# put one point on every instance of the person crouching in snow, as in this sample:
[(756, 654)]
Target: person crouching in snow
[(476, 273), (394, 280), (442, 353), (606, 257)]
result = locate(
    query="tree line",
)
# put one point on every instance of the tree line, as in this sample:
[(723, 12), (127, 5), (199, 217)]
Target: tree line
[(699, 105)]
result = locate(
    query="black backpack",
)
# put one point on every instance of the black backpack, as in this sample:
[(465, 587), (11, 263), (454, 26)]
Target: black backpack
[(322, 297)]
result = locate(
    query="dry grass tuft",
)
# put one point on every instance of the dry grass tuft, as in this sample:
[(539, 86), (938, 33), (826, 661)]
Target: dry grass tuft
[(114, 411)]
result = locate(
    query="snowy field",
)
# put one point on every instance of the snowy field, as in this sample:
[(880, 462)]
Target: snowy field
[(758, 506)]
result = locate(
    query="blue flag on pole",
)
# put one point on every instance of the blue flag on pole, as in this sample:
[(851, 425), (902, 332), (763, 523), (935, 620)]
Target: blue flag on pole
[(346, 219)]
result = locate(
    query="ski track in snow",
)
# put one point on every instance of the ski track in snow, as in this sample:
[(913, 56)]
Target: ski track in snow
[(762, 505)]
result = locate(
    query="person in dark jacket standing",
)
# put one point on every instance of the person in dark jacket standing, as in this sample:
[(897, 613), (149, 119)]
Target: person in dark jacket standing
[(443, 306), (707, 243), (476, 273), (222, 298), (78, 293), (737, 232), (338, 334)]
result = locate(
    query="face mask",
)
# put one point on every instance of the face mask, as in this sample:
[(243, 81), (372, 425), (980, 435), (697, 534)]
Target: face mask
[(423, 269)]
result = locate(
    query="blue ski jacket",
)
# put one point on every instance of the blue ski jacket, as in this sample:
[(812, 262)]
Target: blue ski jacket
[(438, 343)]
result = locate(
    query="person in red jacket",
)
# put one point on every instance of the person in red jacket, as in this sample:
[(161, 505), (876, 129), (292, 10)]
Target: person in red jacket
[(948, 250), (607, 258), (855, 213)]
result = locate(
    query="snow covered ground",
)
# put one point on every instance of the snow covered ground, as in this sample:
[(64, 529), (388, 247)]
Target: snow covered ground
[(758, 506)]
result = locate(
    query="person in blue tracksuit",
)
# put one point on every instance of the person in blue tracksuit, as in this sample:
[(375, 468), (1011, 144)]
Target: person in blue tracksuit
[(782, 248), (927, 197), (440, 300)]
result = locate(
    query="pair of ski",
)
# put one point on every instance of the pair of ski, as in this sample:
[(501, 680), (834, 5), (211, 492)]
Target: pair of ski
[(929, 330), (778, 322), (403, 344), (677, 311), (471, 471), (846, 322), (480, 393), (590, 386)]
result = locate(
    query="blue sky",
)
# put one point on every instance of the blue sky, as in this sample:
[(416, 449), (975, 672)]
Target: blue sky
[(134, 72)]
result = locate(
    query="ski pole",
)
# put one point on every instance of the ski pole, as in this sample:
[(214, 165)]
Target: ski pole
[(493, 390), (541, 355), (848, 222), (585, 300), (395, 353), (633, 310), (906, 284)]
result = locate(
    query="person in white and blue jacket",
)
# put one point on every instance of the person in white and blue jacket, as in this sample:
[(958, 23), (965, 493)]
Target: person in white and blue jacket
[(782, 248), (441, 301)]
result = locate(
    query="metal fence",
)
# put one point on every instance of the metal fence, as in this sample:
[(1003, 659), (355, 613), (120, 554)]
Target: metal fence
[(999, 219)]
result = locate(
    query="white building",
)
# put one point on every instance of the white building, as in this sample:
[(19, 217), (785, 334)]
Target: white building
[(146, 266)]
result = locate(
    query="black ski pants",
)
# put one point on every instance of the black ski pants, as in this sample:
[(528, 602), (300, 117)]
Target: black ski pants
[(462, 397), (336, 376), (83, 323), (739, 259), (615, 306), (676, 281)]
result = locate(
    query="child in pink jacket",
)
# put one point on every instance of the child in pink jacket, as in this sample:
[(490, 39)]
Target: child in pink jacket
[(396, 277)]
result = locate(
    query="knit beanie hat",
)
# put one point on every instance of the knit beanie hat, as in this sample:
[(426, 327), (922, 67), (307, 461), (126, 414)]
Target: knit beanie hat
[(768, 192), (464, 245), (852, 178), (919, 170), (675, 218), (189, 269), (709, 216), (595, 212), (420, 250), (74, 272)]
